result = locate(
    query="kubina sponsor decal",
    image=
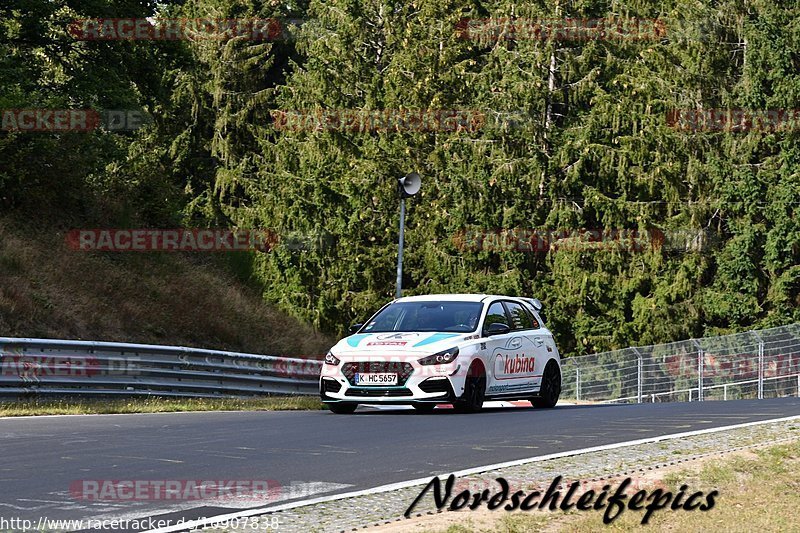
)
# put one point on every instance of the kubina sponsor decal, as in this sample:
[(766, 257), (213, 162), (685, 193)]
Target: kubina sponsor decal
[(518, 365)]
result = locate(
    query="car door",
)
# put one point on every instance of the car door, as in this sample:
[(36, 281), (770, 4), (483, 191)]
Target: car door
[(524, 370), (510, 354), (542, 339)]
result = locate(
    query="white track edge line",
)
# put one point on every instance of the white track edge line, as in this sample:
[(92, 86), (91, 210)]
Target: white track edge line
[(193, 524)]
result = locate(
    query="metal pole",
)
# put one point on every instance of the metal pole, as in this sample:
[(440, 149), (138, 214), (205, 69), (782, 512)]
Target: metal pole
[(578, 383), (399, 285), (725, 392), (761, 370), (760, 365), (638, 376), (699, 375), (699, 372)]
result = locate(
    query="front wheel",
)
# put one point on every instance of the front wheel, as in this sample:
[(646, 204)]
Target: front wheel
[(551, 387), (474, 392), (342, 408)]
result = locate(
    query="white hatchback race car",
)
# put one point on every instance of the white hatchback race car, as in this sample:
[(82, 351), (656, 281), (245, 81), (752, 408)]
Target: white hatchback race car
[(445, 348)]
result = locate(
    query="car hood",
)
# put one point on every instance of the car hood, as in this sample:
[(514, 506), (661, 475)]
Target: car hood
[(398, 343)]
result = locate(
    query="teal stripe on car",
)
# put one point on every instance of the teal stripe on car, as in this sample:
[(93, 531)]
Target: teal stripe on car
[(436, 337), (353, 340)]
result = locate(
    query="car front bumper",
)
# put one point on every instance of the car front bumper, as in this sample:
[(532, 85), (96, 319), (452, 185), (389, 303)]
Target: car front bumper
[(419, 384)]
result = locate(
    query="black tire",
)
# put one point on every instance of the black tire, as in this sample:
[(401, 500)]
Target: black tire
[(551, 387), (474, 391), (424, 407), (342, 408)]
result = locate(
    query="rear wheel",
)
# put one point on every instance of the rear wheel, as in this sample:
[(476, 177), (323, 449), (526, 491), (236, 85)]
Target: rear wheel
[(342, 408), (424, 407), (474, 391), (551, 387)]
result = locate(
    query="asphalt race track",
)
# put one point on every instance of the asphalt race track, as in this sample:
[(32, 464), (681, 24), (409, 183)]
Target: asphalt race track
[(309, 453)]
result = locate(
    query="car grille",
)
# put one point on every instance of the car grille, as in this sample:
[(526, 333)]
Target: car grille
[(379, 393), (434, 385), (403, 370)]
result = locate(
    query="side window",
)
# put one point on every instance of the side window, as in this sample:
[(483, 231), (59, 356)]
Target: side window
[(536, 324), (496, 313), (520, 319)]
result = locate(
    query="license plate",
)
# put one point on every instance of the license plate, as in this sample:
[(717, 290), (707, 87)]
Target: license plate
[(376, 379)]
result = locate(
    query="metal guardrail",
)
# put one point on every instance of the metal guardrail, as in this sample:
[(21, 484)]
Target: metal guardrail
[(89, 368), (754, 364)]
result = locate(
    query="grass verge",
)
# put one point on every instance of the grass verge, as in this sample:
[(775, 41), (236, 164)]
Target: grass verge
[(758, 491), (157, 405), (49, 290)]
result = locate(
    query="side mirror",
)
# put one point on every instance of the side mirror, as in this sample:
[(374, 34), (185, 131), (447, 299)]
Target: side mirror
[(497, 328), (355, 327)]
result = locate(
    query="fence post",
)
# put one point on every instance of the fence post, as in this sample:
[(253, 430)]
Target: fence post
[(725, 391), (760, 365), (699, 372), (577, 382), (639, 365)]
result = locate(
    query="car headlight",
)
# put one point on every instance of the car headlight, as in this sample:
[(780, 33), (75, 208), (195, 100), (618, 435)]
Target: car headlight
[(331, 359), (441, 358)]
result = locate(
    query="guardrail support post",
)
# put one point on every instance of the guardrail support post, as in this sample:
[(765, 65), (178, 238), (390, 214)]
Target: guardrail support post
[(760, 365), (725, 392), (761, 370), (639, 364), (578, 383), (699, 373)]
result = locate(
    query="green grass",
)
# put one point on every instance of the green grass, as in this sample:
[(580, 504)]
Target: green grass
[(157, 405)]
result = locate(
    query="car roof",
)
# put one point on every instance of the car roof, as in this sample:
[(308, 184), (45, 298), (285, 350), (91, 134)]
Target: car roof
[(452, 298)]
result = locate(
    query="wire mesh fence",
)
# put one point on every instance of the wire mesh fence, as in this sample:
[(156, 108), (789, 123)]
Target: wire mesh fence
[(753, 364)]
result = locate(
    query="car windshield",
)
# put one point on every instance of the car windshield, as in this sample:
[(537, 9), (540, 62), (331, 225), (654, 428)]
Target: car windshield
[(456, 317)]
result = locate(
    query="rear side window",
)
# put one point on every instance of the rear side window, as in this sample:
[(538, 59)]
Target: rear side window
[(496, 313), (520, 319), (536, 324)]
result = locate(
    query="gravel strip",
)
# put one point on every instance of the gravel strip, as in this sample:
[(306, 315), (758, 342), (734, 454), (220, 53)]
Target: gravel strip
[(350, 514)]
